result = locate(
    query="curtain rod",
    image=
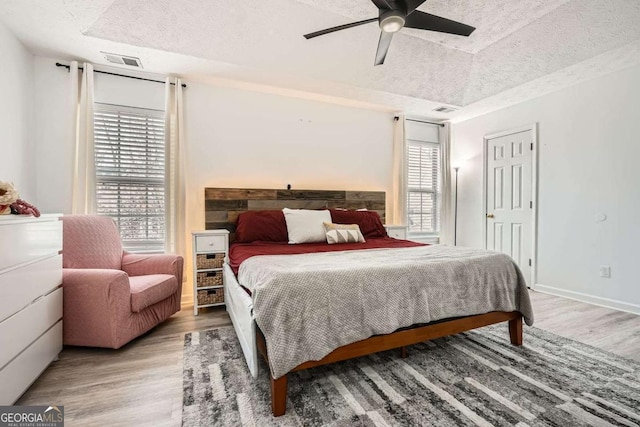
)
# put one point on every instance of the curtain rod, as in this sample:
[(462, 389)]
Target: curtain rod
[(68, 67), (396, 118)]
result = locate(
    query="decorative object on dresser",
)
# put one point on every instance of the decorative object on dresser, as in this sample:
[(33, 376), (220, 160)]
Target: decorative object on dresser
[(112, 296), (209, 250), (397, 231), (8, 195), (31, 309), (10, 202)]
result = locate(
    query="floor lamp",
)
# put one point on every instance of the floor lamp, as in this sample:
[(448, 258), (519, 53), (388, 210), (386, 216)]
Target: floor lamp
[(455, 214)]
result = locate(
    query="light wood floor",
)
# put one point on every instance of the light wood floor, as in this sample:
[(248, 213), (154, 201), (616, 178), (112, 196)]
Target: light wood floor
[(141, 384), (611, 330)]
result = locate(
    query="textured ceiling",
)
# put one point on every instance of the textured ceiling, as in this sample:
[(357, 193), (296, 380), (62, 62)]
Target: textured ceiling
[(520, 49), (493, 19)]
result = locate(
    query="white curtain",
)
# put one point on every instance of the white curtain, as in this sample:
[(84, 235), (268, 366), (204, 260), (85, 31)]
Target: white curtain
[(84, 173), (447, 188), (175, 192), (399, 199)]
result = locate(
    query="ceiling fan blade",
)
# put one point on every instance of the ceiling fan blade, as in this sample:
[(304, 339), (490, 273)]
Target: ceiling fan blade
[(383, 4), (383, 47), (413, 5), (427, 21), (338, 28)]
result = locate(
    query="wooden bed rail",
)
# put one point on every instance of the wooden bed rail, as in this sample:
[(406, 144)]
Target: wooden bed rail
[(399, 339)]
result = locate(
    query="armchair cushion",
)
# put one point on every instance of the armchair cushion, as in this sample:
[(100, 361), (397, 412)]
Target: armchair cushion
[(91, 241), (150, 289), (142, 264)]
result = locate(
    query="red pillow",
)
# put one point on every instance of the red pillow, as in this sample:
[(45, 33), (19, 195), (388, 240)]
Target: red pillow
[(368, 221), (265, 226)]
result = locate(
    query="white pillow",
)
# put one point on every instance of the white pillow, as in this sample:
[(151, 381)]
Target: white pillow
[(306, 226)]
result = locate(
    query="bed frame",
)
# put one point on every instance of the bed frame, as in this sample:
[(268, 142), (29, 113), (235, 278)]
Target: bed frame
[(240, 309), (399, 339), (222, 205)]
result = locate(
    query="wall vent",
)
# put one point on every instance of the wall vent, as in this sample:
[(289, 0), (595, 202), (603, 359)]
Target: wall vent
[(115, 58), (444, 109)]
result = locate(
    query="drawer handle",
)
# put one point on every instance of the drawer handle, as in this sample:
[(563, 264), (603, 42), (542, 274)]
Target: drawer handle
[(210, 243)]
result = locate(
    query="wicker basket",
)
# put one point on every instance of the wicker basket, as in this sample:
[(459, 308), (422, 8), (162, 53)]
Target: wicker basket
[(204, 261), (211, 296), (209, 278)]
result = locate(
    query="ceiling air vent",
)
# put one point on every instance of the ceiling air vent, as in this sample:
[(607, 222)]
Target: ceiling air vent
[(444, 109), (131, 61)]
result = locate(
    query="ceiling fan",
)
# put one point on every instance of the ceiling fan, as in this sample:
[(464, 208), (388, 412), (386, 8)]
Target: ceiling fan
[(396, 14)]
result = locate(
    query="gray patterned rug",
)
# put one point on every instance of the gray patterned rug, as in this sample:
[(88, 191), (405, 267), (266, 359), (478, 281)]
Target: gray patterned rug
[(470, 379)]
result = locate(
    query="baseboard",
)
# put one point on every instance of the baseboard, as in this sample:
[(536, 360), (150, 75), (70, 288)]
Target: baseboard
[(590, 299)]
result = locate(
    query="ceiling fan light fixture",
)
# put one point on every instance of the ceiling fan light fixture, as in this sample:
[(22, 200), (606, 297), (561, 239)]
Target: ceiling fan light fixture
[(392, 22), (393, 15)]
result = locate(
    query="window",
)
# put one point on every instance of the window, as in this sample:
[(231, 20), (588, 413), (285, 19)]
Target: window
[(130, 173), (423, 180)]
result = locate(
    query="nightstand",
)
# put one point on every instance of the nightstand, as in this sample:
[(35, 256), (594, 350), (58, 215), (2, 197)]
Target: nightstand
[(397, 231), (209, 250)]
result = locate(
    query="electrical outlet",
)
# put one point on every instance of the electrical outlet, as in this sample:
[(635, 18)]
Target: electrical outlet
[(605, 271)]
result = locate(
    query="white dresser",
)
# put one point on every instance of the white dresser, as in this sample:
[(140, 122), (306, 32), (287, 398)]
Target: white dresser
[(30, 300)]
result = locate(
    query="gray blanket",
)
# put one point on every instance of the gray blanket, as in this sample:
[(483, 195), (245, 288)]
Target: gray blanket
[(309, 305)]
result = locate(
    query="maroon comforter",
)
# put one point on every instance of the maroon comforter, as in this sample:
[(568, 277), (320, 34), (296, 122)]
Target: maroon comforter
[(238, 252)]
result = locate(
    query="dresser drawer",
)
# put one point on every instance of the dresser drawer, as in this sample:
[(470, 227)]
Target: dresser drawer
[(24, 327), (28, 241), (22, 285), (397, 232), (22, 371), (211, 243)]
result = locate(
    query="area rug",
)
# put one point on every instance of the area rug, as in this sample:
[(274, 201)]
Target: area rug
[(471, 379)]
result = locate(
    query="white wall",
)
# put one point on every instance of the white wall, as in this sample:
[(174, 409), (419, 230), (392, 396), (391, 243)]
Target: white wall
[(119, 90), (240, 138), (247, 139), (589, 150), (235, 138), (54, 136), (16, 120)]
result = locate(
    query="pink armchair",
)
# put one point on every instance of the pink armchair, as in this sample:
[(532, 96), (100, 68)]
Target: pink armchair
[(112, 296)]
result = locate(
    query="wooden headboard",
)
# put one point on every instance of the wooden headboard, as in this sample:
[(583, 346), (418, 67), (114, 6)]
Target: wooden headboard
[(223, 205)]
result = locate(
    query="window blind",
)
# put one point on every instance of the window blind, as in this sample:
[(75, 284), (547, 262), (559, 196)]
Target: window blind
[(130, 173), (423, 182)]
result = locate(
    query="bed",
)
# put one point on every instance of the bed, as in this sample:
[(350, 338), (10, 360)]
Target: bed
[(301, 306)]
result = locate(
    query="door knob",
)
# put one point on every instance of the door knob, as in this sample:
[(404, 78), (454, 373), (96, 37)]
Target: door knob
[(489, 215)]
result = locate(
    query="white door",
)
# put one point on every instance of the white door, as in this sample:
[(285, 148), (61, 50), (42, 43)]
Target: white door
[(509, 215)]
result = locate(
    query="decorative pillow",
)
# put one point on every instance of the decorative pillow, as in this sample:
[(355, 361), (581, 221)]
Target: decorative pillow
[(264, 226), (342, 233), (306, 226), (368, 221)]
